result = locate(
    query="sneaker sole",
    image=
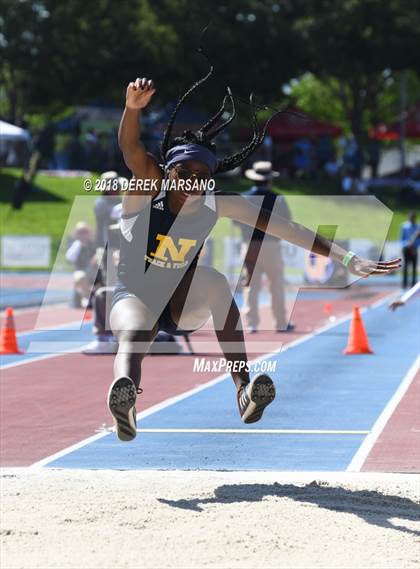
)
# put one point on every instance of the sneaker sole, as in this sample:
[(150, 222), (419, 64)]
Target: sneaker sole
[(262, 394), (121, 401)]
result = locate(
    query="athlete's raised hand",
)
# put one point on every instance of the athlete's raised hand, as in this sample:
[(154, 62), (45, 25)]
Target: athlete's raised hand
[(365, 268), (139, 93)]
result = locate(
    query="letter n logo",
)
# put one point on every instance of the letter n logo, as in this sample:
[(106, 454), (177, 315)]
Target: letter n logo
[(167, 246)]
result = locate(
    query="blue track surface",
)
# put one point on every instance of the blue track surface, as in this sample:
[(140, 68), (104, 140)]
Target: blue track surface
[(318, 388)]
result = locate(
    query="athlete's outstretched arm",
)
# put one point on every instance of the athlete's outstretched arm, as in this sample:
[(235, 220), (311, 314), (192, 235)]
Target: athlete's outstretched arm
[(138, 96), (142, 164), (242, 210)]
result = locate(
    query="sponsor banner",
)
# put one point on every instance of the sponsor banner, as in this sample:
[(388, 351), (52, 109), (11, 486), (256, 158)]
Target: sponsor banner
[(25, 251)]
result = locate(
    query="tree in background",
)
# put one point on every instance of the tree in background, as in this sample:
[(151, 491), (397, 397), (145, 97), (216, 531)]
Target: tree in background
[(355, 49), (55, 54), (324, 98)]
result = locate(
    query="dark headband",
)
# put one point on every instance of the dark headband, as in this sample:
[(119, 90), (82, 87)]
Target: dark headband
[(191, 151)]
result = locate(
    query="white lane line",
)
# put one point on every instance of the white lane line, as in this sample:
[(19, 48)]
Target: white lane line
[(44, 357), (57, 347), (186, 394), (250, 431), (367, 445), (64, 326)]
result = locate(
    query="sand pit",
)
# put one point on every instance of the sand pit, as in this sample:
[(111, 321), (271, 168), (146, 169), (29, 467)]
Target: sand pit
[(112, 519)]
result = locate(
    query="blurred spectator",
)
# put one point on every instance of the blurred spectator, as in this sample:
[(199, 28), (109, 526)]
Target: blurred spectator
[(410, 241), (298, 161), (42, 153), (104, 205), (45, 144), (113, 150), (76, 152), (82, 255), (325, 152), (373, 156), (263, 254), (104, 342), (347, 184), (108, 210), (95, 156), (268, 148), (332, 169), (304, 158), (353, 158), (352, 165), (415, 172)]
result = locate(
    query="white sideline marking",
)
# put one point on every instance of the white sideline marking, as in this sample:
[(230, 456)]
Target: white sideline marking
[(53, 327), (186, 394), (45, 357), (367, 445), (253, 431)]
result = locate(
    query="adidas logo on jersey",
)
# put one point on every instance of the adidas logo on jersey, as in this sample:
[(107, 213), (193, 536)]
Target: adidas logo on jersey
[(158, 205)]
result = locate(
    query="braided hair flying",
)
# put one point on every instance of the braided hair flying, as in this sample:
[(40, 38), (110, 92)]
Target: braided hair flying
[(208, 131)]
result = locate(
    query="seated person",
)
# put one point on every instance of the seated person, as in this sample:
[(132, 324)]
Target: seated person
[(82, 255)]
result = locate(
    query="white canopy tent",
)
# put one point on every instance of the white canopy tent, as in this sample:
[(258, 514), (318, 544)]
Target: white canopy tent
[(14, 144), (10, 132)]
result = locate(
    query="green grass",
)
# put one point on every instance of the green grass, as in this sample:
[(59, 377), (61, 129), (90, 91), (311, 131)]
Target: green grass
[(47, 208)]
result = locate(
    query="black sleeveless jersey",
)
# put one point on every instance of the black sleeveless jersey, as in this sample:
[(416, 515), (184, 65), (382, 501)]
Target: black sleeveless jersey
[(158, 246)]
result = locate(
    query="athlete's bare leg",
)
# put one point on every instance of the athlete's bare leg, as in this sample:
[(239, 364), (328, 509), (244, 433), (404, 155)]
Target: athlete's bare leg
[(135, 327)]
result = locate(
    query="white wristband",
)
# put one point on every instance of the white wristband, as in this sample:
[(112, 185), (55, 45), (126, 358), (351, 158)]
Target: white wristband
[(347, 258)]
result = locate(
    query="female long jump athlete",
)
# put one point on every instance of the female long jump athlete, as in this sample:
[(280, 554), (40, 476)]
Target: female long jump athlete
[(162, 232)]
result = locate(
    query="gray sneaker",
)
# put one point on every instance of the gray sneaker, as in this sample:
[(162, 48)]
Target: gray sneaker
[(254, 398), (121, 403)]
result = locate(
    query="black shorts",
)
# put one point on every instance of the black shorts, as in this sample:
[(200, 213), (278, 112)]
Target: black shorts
[(165, 322)]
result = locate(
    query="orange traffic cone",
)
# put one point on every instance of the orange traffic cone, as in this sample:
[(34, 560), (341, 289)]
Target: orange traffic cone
[(358, 340), (8, 341)]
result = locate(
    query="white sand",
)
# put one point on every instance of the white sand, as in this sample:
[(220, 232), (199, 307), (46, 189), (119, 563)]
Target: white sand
[(104, 519)]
